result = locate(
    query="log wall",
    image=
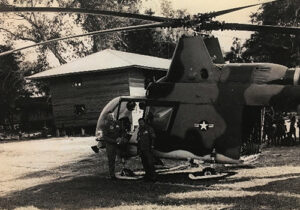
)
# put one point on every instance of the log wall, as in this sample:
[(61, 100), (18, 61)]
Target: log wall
[(95, 91)]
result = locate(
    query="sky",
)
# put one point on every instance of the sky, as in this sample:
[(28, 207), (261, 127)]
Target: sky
[(203, 6)]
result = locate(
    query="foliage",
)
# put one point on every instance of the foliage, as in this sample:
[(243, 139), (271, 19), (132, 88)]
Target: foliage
[(276, 48), (36, 88), (11, 85), (95, 23), (38, 27), (155, 42), (235, 55)]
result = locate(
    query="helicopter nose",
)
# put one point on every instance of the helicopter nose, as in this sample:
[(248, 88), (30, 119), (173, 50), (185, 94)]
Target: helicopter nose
[(296, 76)]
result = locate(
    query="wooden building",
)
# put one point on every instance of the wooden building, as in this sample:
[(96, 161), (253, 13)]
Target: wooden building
[(80, 89)]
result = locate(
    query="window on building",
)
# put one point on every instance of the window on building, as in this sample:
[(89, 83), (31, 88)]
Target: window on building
[(77, 82), (79, 109)]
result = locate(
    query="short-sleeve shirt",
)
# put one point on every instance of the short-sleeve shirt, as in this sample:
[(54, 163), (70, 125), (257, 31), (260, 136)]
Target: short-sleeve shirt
[(111, 131), (145, 138)]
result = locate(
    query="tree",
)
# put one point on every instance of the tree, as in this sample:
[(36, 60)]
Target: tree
[(36, 27), (276, 48), (235, 55), (155, 42), (11, 85), (95, 23)]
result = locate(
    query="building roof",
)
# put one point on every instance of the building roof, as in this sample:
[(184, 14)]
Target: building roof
[(105, 60)]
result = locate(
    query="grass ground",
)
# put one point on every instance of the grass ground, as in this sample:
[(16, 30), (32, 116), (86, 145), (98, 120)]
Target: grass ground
[(65, 174)]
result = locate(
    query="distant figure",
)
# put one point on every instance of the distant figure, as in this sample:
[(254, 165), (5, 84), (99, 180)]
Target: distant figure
[(145, 139), (63, 130), (269, 129), (292, 132), (280, 133), (298, 125)]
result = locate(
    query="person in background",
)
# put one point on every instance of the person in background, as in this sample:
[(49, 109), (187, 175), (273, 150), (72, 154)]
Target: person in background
[(292, 131), (145, 139)]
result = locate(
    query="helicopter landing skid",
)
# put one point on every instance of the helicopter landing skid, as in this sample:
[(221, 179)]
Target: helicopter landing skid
[(127, 174), (207, 173), (194, 173)]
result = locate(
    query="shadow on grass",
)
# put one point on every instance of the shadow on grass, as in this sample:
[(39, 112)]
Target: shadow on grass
[(98, 192), (289, 185), (250, 178), (92, 164), (86, 187)]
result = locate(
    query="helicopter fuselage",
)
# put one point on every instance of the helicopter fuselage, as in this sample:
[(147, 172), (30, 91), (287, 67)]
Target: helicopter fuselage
[(201, 107)]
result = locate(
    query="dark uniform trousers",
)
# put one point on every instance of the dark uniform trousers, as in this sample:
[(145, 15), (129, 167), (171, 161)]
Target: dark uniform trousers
[(148, 163), (146, 136), (111, 152), (111, 132)]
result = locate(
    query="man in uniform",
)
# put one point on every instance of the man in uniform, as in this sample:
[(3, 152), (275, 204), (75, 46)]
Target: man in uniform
[(145, 139), (111, 131)]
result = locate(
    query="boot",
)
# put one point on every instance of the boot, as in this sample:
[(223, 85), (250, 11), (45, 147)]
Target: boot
[(95, 149)]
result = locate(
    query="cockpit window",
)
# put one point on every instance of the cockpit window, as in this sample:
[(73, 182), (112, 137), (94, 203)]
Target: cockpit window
[(159, 116), (131, 110)]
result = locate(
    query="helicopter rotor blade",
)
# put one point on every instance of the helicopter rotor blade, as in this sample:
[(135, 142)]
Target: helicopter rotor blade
[(223, 12), (129, 28), (84, 11), (204, 16), (249, 27)]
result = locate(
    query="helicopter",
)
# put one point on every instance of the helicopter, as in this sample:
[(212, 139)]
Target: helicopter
[(200, 109)]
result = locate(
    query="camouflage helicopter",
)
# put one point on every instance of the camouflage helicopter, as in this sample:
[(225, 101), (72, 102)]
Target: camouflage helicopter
[(201, 107)]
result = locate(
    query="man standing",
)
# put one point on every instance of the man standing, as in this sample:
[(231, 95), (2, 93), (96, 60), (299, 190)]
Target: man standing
[(111, 132), (145, 139), (292, 132)]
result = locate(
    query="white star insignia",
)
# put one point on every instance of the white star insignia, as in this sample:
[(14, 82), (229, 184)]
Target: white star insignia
[(203, 126)]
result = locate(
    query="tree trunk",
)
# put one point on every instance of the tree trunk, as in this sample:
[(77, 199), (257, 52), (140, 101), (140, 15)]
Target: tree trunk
[(57, 55)]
